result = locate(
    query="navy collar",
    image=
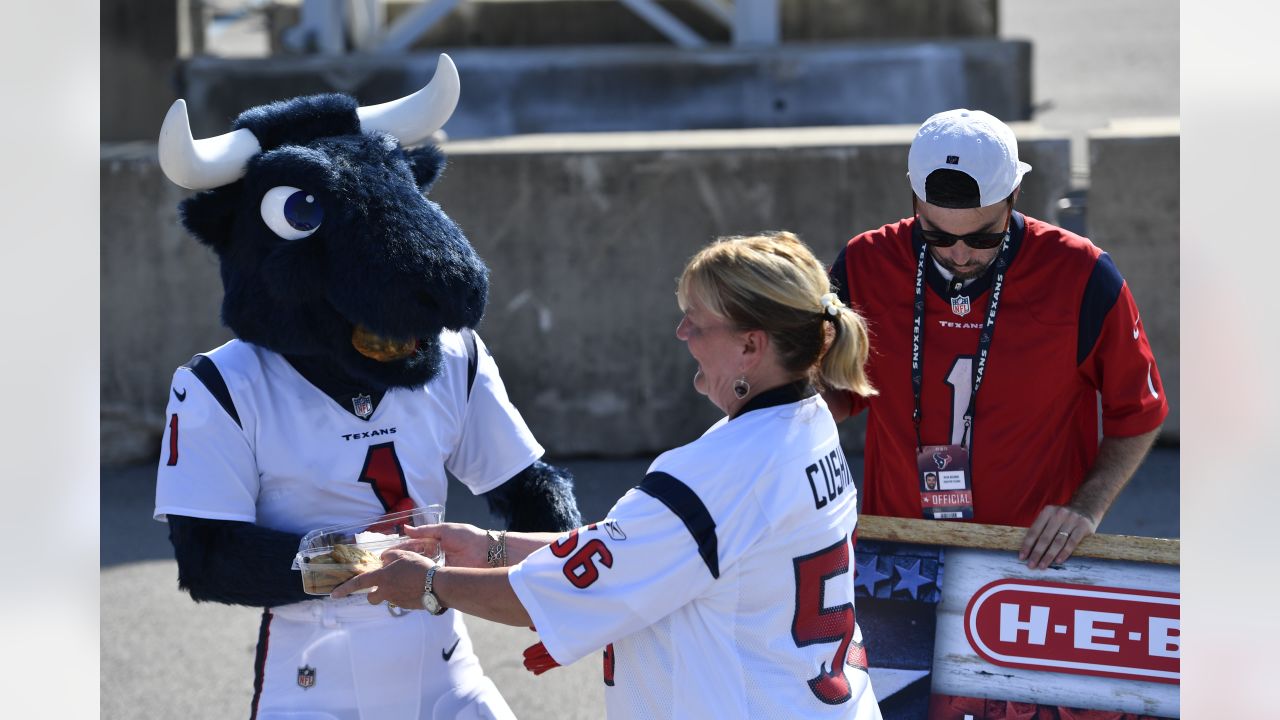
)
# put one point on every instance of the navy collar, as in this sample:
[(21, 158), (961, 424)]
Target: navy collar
[(335, 383), (781, 395), (947, 289)]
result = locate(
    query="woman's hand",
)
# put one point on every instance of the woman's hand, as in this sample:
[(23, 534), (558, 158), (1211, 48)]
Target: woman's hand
[(464, 545), (399, 581)]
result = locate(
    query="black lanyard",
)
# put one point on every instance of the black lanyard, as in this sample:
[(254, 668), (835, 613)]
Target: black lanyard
[(984, 340)]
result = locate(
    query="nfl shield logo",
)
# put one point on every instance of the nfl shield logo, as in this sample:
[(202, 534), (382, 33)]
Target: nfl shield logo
[(363, 405), (960, 305), (306, 677)]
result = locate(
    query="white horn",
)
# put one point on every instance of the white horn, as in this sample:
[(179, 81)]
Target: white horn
[(412, 119), (202, 164)]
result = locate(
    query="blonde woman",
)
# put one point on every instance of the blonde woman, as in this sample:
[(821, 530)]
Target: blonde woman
[(722, 585)]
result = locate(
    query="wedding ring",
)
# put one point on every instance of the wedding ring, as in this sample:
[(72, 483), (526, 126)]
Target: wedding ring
[(1064, 532)]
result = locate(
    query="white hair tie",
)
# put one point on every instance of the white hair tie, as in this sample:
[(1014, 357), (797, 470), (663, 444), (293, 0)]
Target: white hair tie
[(831, 304)]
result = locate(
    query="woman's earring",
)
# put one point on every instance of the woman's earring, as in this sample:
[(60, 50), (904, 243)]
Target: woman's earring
[(741, 387)]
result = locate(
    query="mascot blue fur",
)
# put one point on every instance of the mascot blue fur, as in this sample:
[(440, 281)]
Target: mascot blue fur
[(333, 263)]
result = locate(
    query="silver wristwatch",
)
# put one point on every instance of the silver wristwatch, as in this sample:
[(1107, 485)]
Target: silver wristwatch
[(430, 602)]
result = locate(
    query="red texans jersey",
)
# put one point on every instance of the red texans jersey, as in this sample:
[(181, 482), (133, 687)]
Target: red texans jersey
[(1067, 331)]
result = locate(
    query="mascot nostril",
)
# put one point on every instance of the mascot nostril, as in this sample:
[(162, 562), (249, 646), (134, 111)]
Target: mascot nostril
[(354, 387), (376, 347)]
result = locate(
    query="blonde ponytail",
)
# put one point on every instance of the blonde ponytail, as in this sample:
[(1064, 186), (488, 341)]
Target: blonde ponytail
[(843, 365)]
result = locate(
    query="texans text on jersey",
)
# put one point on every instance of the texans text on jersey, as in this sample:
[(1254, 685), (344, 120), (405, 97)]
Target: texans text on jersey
[(368, 433)]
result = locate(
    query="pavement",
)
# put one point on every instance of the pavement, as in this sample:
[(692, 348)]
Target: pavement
[(164, 656)]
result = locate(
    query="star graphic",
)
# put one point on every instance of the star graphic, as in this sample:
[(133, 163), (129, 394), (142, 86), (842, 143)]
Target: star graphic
[(911, 579), (866, 574)]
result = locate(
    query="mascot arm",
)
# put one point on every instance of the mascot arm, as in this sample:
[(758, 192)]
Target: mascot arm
[(538, 499), (237, 563)]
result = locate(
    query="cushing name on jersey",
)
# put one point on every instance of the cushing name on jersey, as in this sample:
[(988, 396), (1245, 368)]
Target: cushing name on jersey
[(828, 478)]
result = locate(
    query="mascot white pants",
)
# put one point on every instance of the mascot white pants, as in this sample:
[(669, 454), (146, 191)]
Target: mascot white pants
[(305, 670)]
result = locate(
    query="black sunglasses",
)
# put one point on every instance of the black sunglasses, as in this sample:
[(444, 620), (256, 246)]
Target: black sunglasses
[(977, 241)]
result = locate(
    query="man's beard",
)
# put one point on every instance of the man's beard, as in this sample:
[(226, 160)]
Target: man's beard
[(968, 271)]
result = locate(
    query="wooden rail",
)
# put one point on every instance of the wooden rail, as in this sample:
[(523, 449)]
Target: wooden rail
[(1161, 551)]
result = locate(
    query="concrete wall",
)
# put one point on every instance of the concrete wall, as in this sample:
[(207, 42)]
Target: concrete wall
[(1133, 214), (160, 299), (585, 235), (139, 51), (625, 88)]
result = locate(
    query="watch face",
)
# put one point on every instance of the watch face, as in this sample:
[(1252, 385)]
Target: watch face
[(431, 603)]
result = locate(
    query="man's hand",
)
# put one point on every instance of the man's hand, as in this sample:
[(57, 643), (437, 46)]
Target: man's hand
[(1054, 535), (1059, 528), (399, 582)]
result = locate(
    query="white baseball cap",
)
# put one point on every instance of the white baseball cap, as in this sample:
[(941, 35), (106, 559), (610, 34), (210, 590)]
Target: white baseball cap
[(971, 141)]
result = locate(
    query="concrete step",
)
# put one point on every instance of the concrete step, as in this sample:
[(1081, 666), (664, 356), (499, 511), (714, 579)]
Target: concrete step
[(491, 23), (645, 87)]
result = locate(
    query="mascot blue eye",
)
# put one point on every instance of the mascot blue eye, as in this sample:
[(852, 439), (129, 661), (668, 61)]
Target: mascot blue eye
[(291, 213)]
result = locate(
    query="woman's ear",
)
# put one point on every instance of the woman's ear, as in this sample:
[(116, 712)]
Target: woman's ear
[(755, 344)]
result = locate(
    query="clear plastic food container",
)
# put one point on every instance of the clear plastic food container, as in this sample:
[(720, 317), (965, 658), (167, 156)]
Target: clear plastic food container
[(330, 556)]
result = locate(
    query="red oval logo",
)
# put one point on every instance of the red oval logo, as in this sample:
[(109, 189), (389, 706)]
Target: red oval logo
[(1081, 629)]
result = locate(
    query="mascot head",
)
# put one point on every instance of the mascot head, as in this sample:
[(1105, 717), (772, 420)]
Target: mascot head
[(327, 245)]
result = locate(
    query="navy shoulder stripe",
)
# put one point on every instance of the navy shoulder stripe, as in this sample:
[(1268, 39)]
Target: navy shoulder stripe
[(208, 374), (473, 361), (839, 276), (1100, 295), (687, 506)]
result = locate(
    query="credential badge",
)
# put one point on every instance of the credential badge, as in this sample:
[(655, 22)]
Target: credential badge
[(306, 677), (960, 305), (363, 404)]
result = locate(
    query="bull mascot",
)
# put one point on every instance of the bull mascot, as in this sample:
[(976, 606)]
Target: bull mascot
[(354, 382)]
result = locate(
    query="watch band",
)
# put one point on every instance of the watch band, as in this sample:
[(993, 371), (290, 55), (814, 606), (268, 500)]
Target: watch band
[(428, 592)]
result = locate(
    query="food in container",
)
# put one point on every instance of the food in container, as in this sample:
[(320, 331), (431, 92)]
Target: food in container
[(332, 555)]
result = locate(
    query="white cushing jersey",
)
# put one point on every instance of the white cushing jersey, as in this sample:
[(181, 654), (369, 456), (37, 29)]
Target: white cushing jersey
[(722, 585), (266, 446)]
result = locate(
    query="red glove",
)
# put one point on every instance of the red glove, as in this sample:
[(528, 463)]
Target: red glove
[(537, 660)]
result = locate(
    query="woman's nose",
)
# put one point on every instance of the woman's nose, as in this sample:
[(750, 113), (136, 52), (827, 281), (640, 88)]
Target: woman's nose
[(682, 332)]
